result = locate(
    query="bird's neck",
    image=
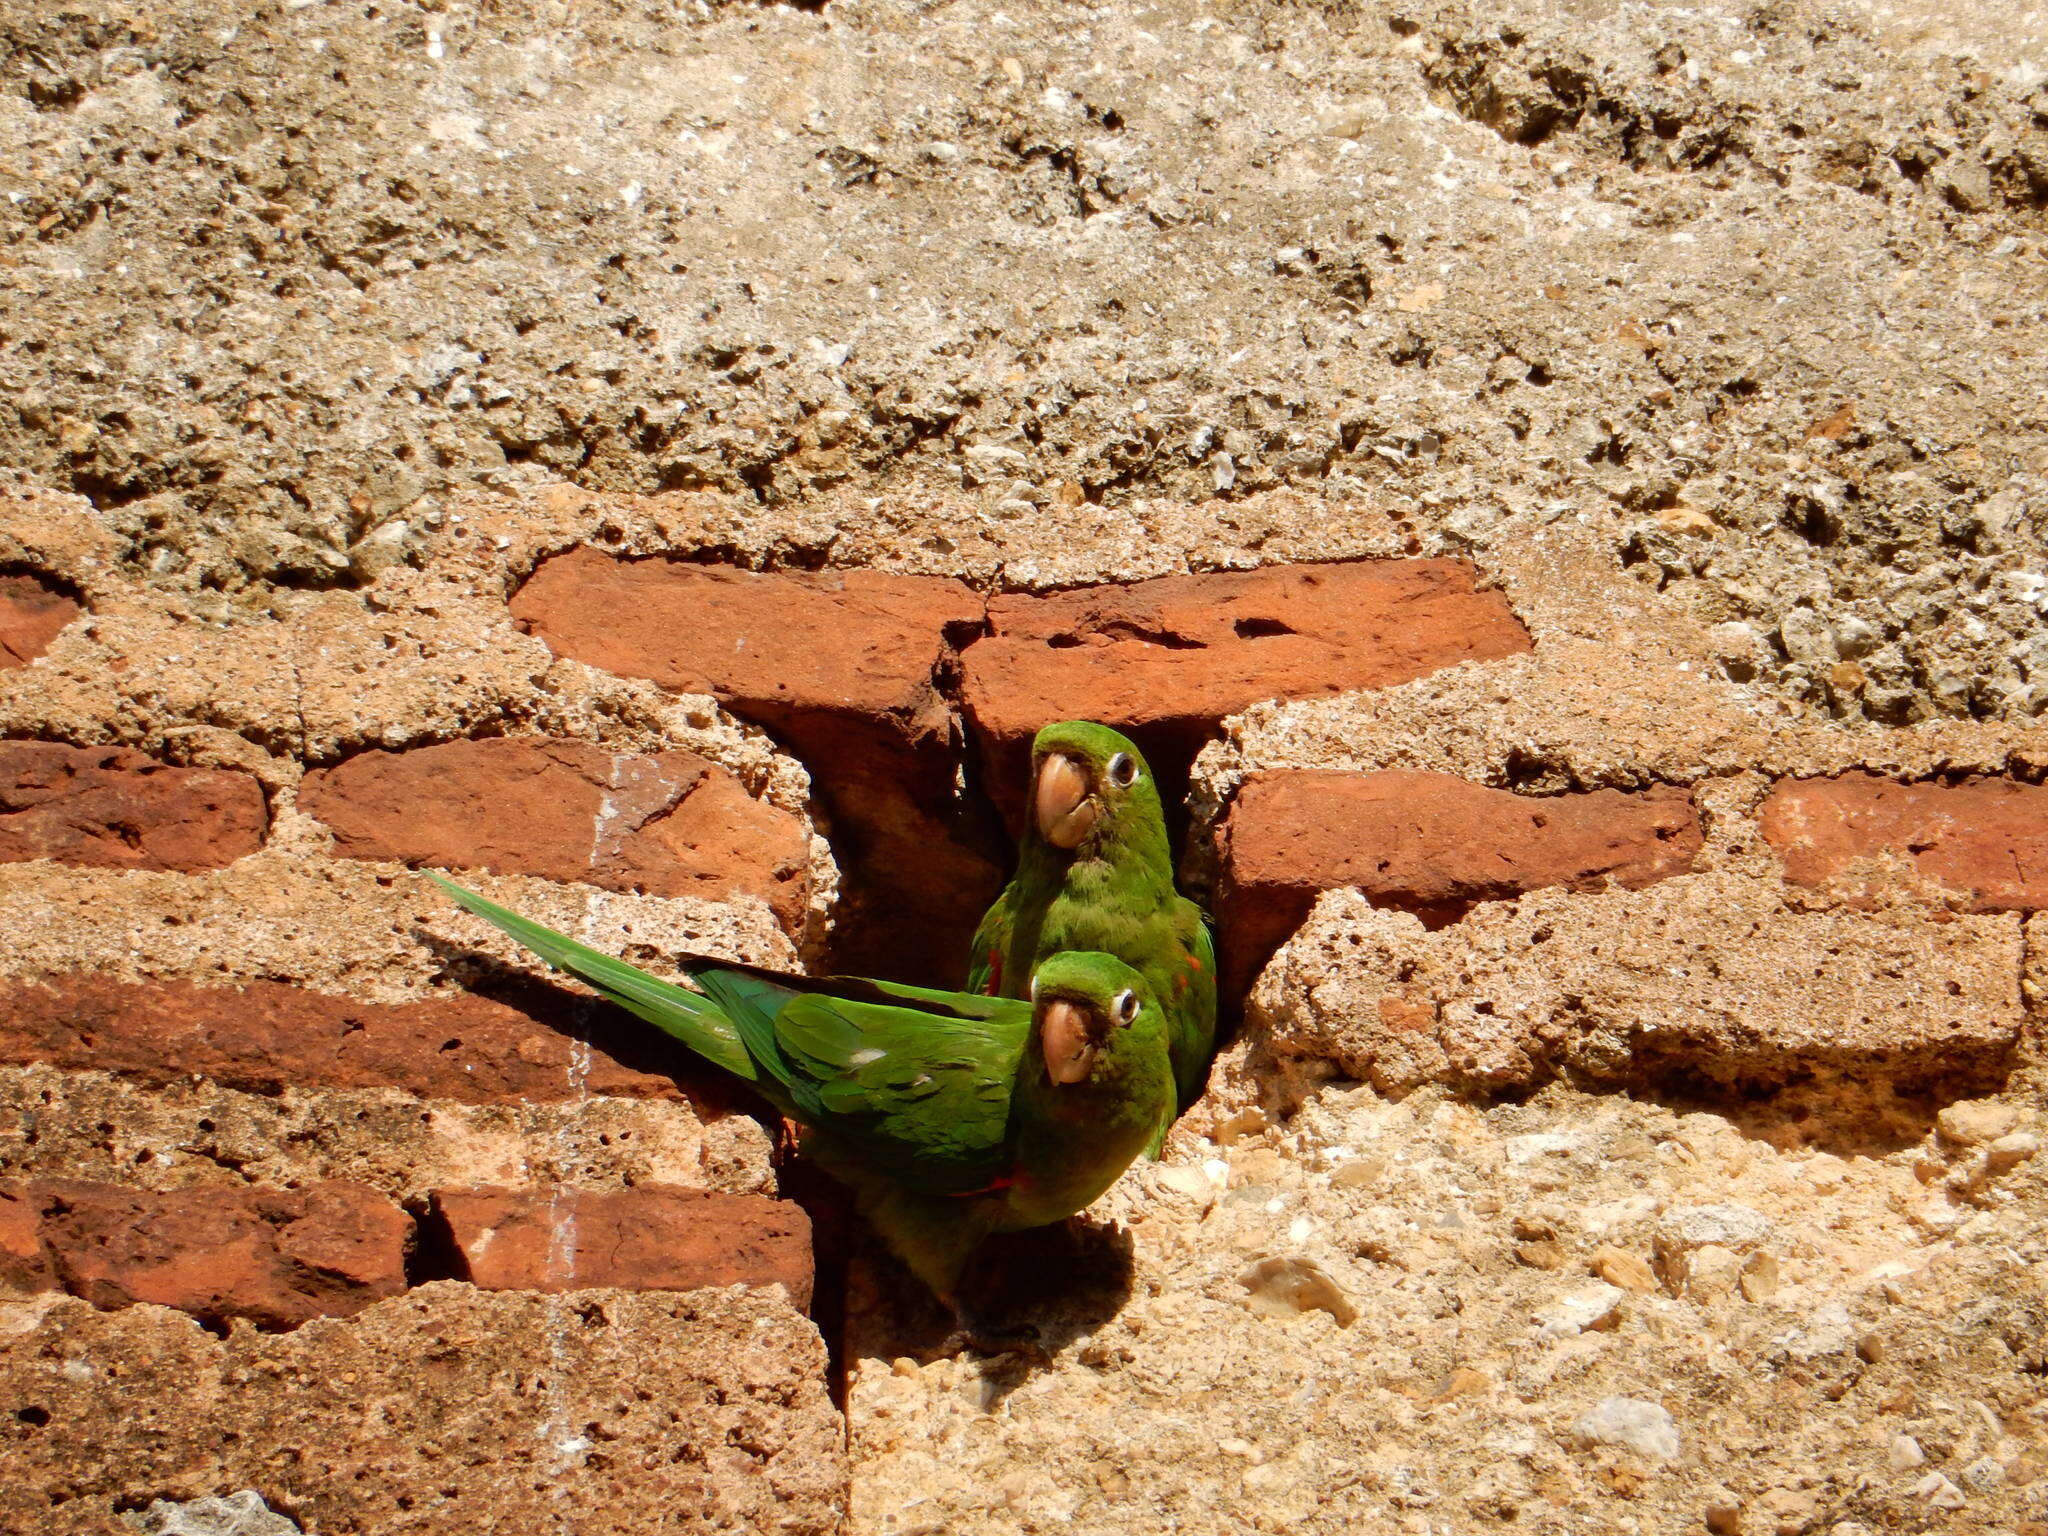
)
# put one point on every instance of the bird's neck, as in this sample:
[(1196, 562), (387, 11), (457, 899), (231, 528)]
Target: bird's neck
[(1077, 1138), (1092, 866)]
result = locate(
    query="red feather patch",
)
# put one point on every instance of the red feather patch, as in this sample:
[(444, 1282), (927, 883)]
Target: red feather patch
[(987, 1189)]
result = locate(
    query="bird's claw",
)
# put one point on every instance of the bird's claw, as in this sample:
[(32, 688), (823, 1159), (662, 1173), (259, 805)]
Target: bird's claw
[(982, 1339)]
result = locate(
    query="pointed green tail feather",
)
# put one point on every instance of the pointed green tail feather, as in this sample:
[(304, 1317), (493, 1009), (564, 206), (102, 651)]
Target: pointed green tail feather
[(688, 1016)]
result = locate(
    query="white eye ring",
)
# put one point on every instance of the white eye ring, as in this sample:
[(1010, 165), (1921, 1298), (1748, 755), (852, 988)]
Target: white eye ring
[(1126, 1006), (1123, 770), (1034, 989)]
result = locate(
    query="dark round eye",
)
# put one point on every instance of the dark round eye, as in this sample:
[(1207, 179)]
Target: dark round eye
[(1123, 770), (1126, 1006)]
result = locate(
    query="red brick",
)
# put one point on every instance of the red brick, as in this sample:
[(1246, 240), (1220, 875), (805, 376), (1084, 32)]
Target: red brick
[(667, 823), (861, 642), (117, 809), (1428, 843), (31, 614), (1986, 838), (266, 1037), (845, 669), (652, 1238), (276, 1257), (24, 1262), (1166, 660)]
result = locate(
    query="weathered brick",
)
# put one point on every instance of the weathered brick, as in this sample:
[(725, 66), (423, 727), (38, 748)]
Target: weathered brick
[(1168, 659), (266, 1037), (1986, 838), (118, 809), (31, 614), (865, 643), (24, 1262), (276, 1257), (843, 667), (652, 1238), (1428, 843), (667, 823), (1709, 984)]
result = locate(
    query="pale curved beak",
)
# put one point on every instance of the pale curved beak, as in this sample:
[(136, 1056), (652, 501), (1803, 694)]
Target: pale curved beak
[(1069, 1045), (1059, 802)]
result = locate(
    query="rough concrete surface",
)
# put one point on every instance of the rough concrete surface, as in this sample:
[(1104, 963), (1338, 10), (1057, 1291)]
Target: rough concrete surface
[(446, 1409), (1483, 1280), (1707, 337), (1756, 285)]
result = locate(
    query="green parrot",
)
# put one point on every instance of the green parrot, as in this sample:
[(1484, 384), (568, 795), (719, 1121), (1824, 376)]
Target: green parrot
[(1096, 873), (949, 1116)]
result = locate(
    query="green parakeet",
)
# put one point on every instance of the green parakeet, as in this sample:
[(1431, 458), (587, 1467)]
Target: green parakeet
[(1095, 873), (950, 1116)]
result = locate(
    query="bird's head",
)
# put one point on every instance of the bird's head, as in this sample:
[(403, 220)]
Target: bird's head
[(1090, 784), (1092, 1015)]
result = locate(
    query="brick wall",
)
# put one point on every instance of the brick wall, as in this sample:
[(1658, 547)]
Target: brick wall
[(269, 1106), (274, 1119)]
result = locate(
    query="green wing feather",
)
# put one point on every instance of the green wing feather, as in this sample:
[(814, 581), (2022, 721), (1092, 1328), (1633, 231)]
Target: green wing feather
[(991, 944), (921, 1093), (914, 1081), (1194, 1025), (1191, 1021), (693, 1019)]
